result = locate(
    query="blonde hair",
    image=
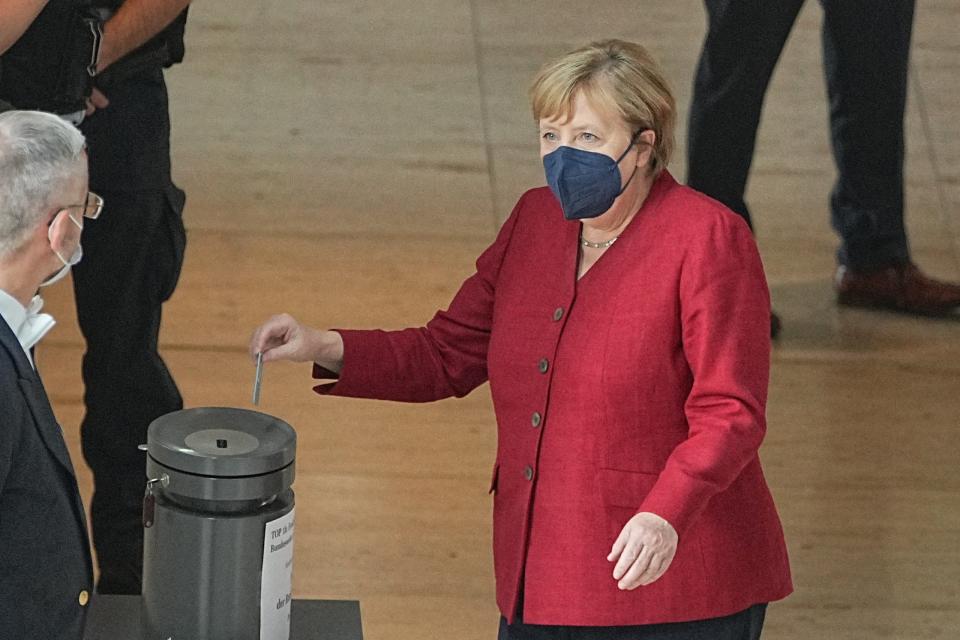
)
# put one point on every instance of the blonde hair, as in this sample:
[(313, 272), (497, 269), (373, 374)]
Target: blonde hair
[(621, 77)]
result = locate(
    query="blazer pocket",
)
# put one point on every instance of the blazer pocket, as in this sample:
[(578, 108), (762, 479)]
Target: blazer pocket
[(493, 478), (625, 489)]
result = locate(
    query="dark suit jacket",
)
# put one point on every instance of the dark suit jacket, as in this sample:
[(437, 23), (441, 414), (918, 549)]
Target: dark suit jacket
[(640, 387), (44, 551)]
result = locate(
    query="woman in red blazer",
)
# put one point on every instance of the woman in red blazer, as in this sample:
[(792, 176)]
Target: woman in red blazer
[(623, 322)]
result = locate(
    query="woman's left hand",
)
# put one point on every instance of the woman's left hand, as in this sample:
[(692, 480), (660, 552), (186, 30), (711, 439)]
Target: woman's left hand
[(645, 549)]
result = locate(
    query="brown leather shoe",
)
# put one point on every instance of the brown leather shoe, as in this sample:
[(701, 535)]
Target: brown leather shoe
[(901, 287)]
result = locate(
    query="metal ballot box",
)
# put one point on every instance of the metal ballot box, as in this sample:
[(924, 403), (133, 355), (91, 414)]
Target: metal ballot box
[(218, 526)]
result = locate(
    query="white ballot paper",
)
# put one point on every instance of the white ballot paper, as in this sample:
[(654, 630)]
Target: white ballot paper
[(277, 579)]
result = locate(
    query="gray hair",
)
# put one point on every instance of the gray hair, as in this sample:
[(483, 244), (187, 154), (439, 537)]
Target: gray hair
[(39, 153)]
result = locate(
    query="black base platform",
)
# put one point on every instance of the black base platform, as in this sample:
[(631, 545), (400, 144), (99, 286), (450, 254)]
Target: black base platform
[(118, 618)]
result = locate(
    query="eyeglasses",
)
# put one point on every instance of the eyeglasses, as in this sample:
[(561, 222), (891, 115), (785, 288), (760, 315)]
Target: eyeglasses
[(90, 209)]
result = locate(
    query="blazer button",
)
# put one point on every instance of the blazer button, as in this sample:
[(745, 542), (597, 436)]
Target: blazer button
[(543, 365), (536, 419), (83, 598), (557, 314), (528, 473)]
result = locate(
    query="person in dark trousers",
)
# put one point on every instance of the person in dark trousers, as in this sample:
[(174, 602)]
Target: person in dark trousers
[(45, 568), (134, 254), (866, 46)]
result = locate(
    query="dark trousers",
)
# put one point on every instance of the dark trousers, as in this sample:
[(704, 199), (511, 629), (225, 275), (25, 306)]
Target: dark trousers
[(866, 46), (131, 263), (745, 625)]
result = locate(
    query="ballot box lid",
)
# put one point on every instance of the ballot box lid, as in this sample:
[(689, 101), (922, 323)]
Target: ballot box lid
[(221, 442)]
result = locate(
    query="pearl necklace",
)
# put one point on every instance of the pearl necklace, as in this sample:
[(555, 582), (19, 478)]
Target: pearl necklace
[(597, 245)]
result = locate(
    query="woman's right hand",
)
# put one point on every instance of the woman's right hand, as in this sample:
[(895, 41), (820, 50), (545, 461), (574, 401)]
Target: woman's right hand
[(283, 338)]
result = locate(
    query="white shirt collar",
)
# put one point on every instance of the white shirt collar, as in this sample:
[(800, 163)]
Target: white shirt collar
[(27, 323)]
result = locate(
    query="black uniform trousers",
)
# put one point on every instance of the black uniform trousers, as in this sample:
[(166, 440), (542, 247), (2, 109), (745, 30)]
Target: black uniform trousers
[(865, 52), (745, 625), (132, 258)]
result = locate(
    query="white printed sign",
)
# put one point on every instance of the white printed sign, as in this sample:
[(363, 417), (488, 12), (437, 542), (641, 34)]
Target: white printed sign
[(277, 578)]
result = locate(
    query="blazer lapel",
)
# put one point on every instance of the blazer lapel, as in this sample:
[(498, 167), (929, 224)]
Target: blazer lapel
[(45, 421), (36, 398), (52, 437)]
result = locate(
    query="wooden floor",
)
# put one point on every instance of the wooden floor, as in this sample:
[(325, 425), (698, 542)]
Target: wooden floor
[(346, 162)]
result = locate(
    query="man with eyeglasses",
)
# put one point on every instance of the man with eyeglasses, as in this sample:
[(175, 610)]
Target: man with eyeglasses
[(100, 64), (46, 572)]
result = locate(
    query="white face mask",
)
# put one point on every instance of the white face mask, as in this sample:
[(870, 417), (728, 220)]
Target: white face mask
[(75, 257)]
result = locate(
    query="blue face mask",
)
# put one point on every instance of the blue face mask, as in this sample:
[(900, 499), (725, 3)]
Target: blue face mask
[(585, 182)]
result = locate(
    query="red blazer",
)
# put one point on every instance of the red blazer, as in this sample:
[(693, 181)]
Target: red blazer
[(640, 387)]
